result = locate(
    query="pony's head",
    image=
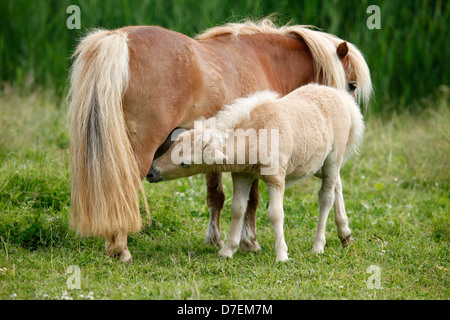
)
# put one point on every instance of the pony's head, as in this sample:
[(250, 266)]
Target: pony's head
[(338, 63), (350, 75), (356, 71)]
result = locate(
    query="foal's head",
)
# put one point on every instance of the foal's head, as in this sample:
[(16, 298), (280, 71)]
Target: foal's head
[(190, 154)]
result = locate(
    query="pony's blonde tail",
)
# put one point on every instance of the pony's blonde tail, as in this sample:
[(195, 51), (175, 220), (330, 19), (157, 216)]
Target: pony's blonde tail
[(104, 168)]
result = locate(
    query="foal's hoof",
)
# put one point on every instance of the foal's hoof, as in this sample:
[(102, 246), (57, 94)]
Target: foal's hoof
[(318, 249), (346, 241), (282, 258), (225, 253)]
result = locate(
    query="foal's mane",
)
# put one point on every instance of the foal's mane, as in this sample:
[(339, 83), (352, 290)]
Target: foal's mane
[(216, 130), (239, 111), (322, 46)]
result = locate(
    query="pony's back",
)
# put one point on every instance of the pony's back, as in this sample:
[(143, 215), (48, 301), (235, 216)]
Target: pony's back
[(335, 102), (300, 115)]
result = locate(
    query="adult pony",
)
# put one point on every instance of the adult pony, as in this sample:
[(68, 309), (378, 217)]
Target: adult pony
[(130, 87)]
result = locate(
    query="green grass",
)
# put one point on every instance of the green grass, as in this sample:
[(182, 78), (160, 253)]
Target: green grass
[(397, 198)]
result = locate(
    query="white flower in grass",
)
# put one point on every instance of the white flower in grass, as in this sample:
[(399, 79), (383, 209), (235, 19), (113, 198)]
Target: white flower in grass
[(65, 296)]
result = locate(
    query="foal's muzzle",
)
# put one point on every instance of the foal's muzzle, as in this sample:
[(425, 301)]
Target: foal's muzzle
[(154, 175)]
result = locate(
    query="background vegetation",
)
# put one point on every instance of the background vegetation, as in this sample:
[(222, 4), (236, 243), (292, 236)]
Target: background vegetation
[(397, 190), (408, 56)]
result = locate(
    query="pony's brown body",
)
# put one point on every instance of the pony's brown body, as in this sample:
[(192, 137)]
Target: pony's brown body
[(173, 80), (177, 80)]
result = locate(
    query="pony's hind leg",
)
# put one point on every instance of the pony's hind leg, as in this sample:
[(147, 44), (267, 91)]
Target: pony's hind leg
[(329, 174), (248, 234), (215, 199), (241, 190), (341, 219), (116, 246)]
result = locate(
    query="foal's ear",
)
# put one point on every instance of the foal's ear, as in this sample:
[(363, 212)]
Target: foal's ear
[(215, 155), (342, 50)]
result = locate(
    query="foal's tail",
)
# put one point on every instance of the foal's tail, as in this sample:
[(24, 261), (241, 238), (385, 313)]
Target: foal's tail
[(357, 126), (104, 168)]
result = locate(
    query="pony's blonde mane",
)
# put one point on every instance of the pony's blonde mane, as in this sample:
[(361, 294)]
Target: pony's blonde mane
[(321, 44)]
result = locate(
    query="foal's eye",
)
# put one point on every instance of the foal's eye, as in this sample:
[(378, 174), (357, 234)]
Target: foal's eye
[(185, 165), (352, 86)]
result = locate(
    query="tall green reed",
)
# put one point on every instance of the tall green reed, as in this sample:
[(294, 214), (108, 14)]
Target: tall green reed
[(408, 56)]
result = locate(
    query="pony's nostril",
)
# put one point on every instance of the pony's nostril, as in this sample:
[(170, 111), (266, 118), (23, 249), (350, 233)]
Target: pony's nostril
[(154, 176)]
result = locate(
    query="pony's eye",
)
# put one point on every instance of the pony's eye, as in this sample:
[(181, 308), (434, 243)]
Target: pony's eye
[(352, 86), (185, 165)]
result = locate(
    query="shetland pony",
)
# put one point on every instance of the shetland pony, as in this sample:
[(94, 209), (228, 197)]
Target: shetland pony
[(318, 128), (130, 87)]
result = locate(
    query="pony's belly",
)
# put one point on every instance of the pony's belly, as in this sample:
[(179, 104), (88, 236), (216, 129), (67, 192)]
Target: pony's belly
[(305, 170)]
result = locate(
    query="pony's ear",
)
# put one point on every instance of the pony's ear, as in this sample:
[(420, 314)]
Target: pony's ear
[(342, 50)]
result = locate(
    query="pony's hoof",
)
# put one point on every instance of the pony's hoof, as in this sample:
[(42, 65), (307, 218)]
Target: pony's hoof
[(224, 253), (317, 249), (215, 243), (125, 256), (283, 259), (346, 241), (250, 247)]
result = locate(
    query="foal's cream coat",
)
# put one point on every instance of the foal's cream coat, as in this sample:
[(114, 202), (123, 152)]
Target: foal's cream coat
[(319, 127)]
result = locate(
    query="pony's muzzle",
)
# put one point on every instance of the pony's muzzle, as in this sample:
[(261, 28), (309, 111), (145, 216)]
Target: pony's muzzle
[(154, 175)]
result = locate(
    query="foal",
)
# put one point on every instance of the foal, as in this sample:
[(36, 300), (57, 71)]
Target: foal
[(312, 131)]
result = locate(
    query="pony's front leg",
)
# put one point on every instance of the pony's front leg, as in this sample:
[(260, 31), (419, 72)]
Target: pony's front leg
[(215, 199), (341, 219), (241, 190), (276, 216), (116, 246)]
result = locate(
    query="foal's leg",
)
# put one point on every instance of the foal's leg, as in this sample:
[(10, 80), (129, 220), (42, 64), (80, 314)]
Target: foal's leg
[(241, 190), (330, 174), (344, 232), (248, 234), (215, 199), (276, 216)]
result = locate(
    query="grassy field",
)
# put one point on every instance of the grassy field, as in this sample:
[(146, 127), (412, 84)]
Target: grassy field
[(397, 197)]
